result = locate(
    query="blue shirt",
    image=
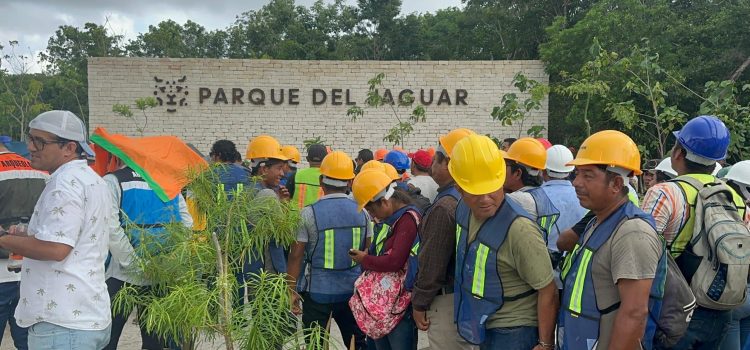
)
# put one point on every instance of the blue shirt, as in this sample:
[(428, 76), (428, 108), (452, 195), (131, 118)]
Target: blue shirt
[(563, 196)]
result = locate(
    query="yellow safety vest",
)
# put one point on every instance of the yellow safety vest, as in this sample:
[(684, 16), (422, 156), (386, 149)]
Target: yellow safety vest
[(681, 240)]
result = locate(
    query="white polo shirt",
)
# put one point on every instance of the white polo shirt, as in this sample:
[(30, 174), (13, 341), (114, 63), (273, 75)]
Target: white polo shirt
[(76, 209)]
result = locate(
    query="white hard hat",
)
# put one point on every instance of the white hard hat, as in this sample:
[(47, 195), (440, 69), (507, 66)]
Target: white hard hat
[(666, 166), (716, 169), (557, 157), (740, 172)]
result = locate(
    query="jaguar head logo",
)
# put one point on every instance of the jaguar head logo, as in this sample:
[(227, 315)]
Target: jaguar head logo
[(172, 93)]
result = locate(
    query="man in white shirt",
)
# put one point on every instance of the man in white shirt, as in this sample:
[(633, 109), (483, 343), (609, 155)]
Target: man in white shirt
[(63, 297), (420, 174)]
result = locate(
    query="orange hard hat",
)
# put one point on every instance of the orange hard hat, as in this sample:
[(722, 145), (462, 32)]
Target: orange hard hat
[(610, 148), (291, 152), (450, 139), (370, 185), (264, 147), (431, 151), (380, 154), (384, 167), (529, 152), (337, 165)]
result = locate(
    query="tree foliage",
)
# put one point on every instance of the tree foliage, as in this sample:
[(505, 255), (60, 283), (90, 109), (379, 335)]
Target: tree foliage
[(194, 291), (513, 110), (695, 42), (398, 133), (690, 43), (19, 92)]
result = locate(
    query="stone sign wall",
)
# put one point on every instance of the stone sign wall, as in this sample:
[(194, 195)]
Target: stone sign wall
[(204, 100)]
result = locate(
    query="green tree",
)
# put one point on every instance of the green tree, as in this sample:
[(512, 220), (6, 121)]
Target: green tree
[(512, 29), (514, 111), (142, 104), (730, 103), (283, 30), (373, 36), (66, 57), (696, 42), (648, 114), (193, 292), (19, 92), (170, 39), (398, 133)]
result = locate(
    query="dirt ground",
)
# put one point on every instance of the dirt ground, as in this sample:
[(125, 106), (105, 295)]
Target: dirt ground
[(131, 339)]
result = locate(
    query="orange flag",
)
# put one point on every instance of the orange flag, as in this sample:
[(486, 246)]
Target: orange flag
[(162, 161)]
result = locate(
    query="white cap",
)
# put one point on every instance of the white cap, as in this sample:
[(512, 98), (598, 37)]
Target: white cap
[(65, 125), (557, 157)]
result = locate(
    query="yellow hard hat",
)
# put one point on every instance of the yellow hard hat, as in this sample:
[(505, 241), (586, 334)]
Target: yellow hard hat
[(291, 152), (337, 165), (264, 147), (384, 167), (370, 185), (529, 152), (610, 148), (449, 140), (477, 165)]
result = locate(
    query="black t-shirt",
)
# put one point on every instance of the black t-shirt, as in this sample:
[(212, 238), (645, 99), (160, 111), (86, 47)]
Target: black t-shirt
[(580, 227)]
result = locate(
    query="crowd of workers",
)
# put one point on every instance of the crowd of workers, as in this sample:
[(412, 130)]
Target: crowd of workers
[(522, 246)]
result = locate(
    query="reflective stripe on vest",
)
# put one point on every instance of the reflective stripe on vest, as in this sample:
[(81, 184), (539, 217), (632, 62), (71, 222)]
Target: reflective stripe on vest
[(383, 231), (633, 198), (229, 193), (546, 212), (480, 266), (380, 237), (579, 313), (690, 193), (20, 188), (356, 237), (307, 187), (476, 269), (330, 245), (332, 272)]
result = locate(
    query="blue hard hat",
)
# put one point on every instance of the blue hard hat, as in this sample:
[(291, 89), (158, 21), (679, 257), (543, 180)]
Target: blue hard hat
[(399, 160), (706, 136)]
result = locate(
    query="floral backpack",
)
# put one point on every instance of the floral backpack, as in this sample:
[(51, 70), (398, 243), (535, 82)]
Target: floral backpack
[(381, 299)]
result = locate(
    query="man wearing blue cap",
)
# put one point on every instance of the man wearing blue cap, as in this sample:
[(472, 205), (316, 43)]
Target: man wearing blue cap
[(701, 143)]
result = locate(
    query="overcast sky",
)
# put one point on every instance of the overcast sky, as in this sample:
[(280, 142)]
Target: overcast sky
[(32, 22)]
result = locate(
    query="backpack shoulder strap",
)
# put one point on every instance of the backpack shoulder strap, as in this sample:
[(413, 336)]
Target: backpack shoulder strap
[(690, 181)]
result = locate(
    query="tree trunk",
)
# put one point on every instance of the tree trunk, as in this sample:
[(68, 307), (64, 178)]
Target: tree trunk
[(736, 74), (224, 296)]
